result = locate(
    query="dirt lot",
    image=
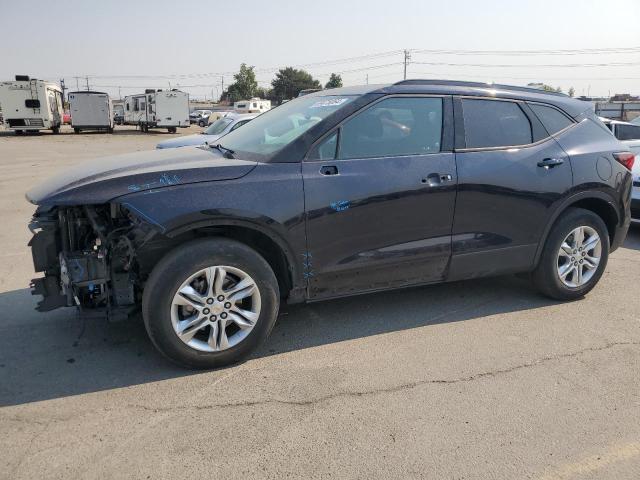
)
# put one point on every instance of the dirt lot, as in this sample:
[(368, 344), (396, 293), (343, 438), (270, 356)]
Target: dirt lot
[(475, 380)]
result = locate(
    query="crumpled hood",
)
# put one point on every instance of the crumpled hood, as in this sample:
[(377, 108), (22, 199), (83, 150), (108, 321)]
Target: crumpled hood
[(103, 179), (186, 141)]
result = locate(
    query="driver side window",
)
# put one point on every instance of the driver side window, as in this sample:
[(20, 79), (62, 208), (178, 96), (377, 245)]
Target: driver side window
[(396, 126)]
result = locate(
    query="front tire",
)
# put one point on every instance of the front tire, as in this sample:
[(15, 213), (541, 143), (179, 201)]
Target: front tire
[(210, 303), (574, 256)]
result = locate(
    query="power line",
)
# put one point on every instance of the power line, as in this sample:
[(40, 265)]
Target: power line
[(583, 51), (530, 65)]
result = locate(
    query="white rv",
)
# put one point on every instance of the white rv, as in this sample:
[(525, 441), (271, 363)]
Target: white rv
[(91, 111), (254, 105), (162, 109), (31, 105)]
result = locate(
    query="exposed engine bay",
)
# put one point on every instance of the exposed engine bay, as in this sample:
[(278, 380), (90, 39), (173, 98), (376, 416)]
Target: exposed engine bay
[(89, 257)]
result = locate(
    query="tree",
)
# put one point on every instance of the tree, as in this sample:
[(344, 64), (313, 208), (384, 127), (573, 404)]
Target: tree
[(245, 85), (545, 87), (572, 91), (289, 81), (335, 81), (263, 93)]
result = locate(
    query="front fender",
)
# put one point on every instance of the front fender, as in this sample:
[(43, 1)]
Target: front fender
[(270, 200)]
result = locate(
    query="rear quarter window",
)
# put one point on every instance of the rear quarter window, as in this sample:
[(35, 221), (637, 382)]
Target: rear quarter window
[(495, 123), (552, 119)]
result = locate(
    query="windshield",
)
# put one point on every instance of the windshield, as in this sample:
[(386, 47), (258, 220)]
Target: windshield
[(275, 129), (217, 127)]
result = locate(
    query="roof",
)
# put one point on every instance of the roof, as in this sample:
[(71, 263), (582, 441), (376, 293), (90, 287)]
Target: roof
[(570, 105), (88, 92)]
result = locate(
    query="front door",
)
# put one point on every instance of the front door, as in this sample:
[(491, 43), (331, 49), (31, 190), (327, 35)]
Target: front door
[(379, 198)]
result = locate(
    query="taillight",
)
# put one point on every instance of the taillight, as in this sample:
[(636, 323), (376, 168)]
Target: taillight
[(625, 158)]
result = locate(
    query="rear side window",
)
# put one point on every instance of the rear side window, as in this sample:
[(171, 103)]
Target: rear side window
[(394, 127), (552, 119), (493, 123)]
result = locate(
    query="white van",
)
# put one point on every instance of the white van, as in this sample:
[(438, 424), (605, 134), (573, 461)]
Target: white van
[(31, 105), (162, 109), (91, 111)]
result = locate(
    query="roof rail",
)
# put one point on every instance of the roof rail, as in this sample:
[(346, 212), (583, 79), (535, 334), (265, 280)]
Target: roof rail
[(461, 83)]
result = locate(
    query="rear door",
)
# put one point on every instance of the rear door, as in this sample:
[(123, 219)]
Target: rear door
[(511, 173), (379, 198)]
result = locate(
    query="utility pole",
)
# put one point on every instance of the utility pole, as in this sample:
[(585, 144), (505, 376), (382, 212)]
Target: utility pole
[(222, 77), (119, 94), (77, 85), (367, 79), (87, 79), (407, 57)]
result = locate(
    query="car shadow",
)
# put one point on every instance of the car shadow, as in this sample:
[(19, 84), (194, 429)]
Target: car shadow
[(56, 354), (633, 237)]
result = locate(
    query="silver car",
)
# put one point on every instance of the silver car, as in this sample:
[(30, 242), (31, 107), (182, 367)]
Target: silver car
[(212, 133), (629, 134)]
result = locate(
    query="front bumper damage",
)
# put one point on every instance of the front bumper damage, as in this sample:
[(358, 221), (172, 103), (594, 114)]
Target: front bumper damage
[(87, 255)]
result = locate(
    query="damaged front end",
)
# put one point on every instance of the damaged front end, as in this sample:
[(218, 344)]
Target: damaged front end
[(88, 256)]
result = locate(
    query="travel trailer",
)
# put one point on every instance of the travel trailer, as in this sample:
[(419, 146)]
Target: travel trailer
[(31, 105), (254, 105), (91, 111), (157, 109)]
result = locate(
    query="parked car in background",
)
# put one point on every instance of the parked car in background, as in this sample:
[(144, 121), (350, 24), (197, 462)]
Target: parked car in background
[(211, 134), (199, 117), (348, 191), (629, 134), (215, 115)]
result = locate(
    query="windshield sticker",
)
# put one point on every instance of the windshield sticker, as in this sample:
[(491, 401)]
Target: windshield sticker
[(333, 102)]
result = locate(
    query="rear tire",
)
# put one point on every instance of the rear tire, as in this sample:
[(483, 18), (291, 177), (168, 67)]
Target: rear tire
[(172, 129), (55, 130), (569, 266), (190, 268), (19, 132), (76, 130)]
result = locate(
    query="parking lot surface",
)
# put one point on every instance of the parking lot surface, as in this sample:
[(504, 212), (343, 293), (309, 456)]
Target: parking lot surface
[(472, 380)]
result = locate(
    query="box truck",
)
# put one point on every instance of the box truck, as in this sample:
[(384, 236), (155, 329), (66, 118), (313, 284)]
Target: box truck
[(157, 109), (91, 111), (31, 105)]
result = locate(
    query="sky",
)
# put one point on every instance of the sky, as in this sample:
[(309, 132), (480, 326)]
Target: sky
[(126, 46)]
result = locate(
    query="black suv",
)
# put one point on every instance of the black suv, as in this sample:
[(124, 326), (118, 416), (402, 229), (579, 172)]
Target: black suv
[(335, 193)]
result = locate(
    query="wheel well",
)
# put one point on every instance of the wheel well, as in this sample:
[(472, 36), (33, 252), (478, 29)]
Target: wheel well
[(260, 242), (603, 209)]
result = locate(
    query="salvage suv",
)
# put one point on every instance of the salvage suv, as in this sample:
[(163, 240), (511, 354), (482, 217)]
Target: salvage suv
[(335, 193)]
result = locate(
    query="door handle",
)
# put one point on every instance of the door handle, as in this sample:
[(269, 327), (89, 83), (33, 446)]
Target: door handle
[(329, 170), (435, 179), (548, 163)]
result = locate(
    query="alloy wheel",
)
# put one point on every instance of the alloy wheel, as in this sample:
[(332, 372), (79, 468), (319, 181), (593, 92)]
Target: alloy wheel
[(215, 308), (579, 256)]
